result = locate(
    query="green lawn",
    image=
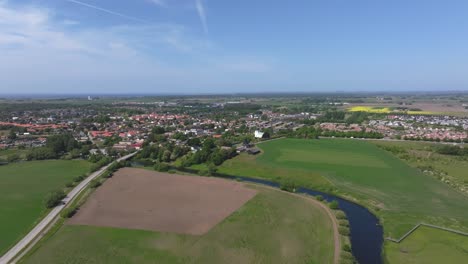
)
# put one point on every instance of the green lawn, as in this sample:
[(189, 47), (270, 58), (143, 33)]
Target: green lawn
[(273, 227), (399, 194), (23, 187), (429, 245)]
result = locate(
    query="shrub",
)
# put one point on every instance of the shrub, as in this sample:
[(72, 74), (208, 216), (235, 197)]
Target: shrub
[(69, 212), (69, 184), (343, 230), (340, 215), (343, 222), (319, 198), (347, 257), (203, 172), (161, 166), (54, 198), (288, 185), (95, 183), (334, 205), (107, 174), (79, 178), (346, 247)]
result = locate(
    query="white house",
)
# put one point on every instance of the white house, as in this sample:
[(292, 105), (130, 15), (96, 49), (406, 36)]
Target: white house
[(258, 134)]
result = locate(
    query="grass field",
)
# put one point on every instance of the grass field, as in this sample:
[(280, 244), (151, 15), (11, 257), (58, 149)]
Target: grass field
[(273, 227), (429, 245), (399, 194), (23, 187), (452, 170)]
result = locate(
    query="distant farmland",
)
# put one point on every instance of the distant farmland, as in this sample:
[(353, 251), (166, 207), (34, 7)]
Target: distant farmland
[(23, 188)]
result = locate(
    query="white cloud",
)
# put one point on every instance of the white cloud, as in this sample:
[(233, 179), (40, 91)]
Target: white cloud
[(158, 2), (69, 22), (201, 14), (39, 53)]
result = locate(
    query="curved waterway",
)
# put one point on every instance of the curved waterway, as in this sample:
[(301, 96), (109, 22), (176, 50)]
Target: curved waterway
[(366, 232)]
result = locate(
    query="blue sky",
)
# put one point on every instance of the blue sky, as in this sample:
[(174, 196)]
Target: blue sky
[(223, 46)]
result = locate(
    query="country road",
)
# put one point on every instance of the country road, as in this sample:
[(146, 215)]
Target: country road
[(23, 243)]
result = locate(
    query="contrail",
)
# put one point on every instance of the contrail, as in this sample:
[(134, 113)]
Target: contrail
[(107, 11), (201, 14)]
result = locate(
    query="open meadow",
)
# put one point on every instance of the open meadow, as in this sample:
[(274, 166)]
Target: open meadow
[(271, 227), (23, 187), (400, 195), (429, 245)]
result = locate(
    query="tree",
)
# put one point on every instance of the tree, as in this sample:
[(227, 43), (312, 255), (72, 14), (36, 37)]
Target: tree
[(62, 143), (54, 198), (334, 205), (41, 153), (12, 135), (158, 130)]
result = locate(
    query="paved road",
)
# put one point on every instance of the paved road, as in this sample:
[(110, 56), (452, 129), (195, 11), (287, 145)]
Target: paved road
[(51, 216)]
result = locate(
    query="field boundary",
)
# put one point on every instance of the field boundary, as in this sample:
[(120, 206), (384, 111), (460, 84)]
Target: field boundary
[(428, 225)]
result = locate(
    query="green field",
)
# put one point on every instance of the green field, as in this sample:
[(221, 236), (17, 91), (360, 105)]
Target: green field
[(23, 187), (273, 227), (430, 245), (400, 195), (450, 169)]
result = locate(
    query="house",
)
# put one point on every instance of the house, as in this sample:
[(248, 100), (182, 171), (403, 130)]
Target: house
[(258, 134)]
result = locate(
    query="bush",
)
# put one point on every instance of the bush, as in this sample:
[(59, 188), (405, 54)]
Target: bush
[(347, 257), (346, 247), (288, 185), (54, 198), (319, 198), (69, 212), (79, 178), (69, 184), (107, 174), (340, 215), (343, 222), (161, 166), (95, 183), (334, 205), (203, 172), (343, 230)]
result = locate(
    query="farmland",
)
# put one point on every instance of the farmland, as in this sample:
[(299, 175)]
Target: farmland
[(400, 195), (272, 227), (23, 189), (429, 245), (388, 110)]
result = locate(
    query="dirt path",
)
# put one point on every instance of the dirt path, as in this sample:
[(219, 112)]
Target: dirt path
[(336, 234)]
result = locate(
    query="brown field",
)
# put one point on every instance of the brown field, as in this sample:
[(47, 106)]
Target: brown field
[(142, 199)]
